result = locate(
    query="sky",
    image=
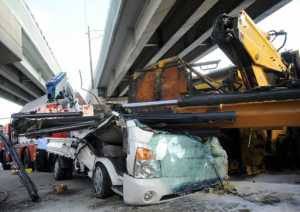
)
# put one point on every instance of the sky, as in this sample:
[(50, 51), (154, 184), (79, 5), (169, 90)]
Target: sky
[(64, 24)]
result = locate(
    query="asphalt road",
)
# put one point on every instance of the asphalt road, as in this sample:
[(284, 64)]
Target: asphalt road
[(262, 193)]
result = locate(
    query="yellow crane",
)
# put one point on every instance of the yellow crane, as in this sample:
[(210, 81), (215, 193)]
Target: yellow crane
[(259, 97)]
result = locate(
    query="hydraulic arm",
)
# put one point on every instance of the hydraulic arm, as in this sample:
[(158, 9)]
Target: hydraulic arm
[(259, 62)]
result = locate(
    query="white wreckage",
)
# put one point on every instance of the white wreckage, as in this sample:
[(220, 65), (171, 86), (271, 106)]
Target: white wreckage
[(124, 156)]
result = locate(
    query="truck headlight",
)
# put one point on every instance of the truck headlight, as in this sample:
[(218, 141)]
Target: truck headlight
[(145, 165)]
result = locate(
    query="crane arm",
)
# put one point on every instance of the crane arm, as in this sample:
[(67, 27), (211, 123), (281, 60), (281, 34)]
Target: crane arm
[(249, 49)]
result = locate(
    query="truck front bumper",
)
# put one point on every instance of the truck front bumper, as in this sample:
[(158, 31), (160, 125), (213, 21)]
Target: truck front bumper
[(144, 191)]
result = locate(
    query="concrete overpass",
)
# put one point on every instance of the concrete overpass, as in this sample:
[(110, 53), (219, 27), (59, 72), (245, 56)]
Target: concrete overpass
[(26, 60), (139, 33)]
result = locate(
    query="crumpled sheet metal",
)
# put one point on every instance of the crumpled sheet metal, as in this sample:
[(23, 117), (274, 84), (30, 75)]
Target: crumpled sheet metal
[(187, 162)]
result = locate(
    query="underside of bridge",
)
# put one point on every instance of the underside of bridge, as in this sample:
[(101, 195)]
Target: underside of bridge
[(26, 60), (146, 31), (16, 86)]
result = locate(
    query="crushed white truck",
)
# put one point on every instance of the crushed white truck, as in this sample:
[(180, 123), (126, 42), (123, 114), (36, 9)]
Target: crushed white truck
[(143, 165)]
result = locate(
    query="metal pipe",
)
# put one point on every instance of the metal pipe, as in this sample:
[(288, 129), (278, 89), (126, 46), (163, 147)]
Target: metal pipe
[(204, 100), (47, 131), (151, 103), (216, 99), (46, 115), (183, 118), (25, 179)]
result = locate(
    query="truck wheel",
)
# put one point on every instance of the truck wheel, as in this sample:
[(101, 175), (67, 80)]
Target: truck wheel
[(101, 182), (41, 160), (68, 174), (63, 168), (58, 170), (51, 162)]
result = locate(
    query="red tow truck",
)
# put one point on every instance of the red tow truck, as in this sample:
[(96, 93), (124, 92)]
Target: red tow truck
[(59, 98), (26, 150)]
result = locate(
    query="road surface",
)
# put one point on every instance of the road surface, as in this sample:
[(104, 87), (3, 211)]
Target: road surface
[(276, 192)]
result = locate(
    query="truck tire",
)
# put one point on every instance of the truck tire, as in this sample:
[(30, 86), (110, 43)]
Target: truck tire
[(101, 182), (63, 168), (42, 160), (57, 170), (51, 162)]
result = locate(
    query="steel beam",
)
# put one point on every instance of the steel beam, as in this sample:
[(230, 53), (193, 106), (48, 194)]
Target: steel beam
[(119, 24), (31, 73), (31, 28), (150, 18), (200, 40), (196, 16), (35, 58), (14, 90), (10, 36), (154, 33), (258, 10), (13, 75), (202, 45), (191, 33), (26, 60), (11, 97)]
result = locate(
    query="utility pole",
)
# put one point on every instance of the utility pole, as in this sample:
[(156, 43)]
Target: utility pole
[(90, 57)]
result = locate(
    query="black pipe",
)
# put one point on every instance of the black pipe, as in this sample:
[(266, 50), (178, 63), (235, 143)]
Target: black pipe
[(46, 115), (22, 125), (48, 131), (183, 118), (25, 179), (283, 94), (56, 122)]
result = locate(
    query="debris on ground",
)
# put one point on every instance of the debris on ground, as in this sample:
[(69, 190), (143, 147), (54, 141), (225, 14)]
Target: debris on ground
[(60, 188), (269, 193), (261, 197), (266, 198), (225, 188)]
